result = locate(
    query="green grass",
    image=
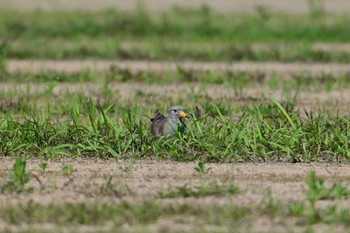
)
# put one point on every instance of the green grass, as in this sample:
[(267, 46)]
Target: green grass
[(18, 176), (134, 214), (100, 123), (210, 189), (81, 126), (67, 169), (173, 35), (317, 189)]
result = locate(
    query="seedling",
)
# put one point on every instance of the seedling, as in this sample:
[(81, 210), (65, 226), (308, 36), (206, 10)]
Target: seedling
[(67, 169), (200, 166), (18, 175), (210, 189), (317, 190), (42, 166)]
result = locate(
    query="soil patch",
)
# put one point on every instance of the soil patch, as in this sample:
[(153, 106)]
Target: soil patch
[(297, 6), (143, 179), (70, 66)]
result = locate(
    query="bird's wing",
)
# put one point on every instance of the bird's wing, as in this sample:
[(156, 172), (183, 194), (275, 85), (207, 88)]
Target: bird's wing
[(157, 126)]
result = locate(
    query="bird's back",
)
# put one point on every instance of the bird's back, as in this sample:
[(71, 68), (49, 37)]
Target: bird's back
[(157, 126)]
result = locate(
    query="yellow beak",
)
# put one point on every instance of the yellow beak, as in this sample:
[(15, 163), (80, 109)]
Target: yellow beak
[(182, 114)]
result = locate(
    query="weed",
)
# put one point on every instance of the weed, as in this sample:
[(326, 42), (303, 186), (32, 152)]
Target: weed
[(67, 169), (297, 208), (200, 167), (18, 175), (42, 166), (317, 190), (210, 189), (81, 126)]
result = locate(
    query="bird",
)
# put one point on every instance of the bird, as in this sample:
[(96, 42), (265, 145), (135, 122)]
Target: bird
[(162, 125)]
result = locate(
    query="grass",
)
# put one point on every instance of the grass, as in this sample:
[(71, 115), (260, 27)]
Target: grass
[(69, 123), (316, 189), (128, 213), (42, 165), (101, 123), (210, 189), (84, 127), (67, 169), (200, 167), (18, 176), (175, 35)]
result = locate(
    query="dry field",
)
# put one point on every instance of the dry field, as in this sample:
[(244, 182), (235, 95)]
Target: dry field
[(140, 181)]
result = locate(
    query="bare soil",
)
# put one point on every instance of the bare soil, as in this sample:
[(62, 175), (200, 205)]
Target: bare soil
[(143, 179), (313, 99), (70, 66), (296, 6)]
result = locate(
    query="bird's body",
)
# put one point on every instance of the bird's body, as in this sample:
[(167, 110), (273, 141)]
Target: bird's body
[(162, 125)]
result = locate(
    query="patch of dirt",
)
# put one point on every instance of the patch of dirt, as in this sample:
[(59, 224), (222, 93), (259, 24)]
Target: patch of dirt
[(71, 66), (311, 99), (296, 6), (143, 179)]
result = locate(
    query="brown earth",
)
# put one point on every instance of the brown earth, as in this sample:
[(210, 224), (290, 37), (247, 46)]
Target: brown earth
[(310, 98), (71, 66), (296, 6), (151, 95), (142, 179)]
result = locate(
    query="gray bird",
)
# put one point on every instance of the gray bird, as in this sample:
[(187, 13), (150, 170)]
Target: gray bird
[(162, 125)]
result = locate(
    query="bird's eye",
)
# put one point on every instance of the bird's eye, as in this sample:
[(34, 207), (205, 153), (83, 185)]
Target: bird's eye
[(174, 110)]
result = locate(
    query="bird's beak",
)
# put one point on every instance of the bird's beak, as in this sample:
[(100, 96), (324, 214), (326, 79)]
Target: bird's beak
[(182, 114)]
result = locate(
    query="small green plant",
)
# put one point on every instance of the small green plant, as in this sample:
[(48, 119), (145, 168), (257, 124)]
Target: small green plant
[(200, 166), (42, 166), (296, 208), (67, 169), (210, 189), (317, 190), (18, 175)]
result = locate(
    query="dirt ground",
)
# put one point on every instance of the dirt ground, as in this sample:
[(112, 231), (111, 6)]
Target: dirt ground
[(295, 6), (70, 66), (336, 100), (143, 179)]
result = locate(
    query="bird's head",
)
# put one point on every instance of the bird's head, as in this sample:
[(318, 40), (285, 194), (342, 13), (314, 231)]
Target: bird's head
[(178, 112)]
